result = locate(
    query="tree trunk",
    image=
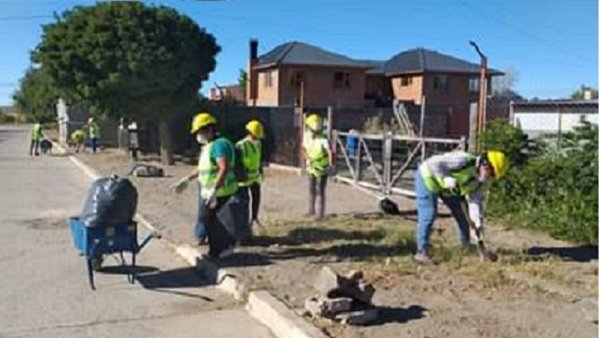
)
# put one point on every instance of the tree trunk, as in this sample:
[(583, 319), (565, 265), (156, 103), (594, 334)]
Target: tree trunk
[(166, 144)]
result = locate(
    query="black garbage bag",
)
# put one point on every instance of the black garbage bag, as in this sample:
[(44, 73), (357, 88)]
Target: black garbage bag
[(234, 215), (110, 201), (388, 207)]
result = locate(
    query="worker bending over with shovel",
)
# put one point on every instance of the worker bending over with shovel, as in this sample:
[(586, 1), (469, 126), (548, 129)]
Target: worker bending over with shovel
[(460, 179), (217, 179), (319, 159)]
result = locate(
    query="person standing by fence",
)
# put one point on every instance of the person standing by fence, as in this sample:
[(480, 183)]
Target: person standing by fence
[(94, 133), (250, 149), (36, 137), (319, 157)]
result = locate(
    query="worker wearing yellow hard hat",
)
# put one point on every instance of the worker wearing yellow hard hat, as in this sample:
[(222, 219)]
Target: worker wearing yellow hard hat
[(460, 179), (319, 159), (250, 152), (216, 182)]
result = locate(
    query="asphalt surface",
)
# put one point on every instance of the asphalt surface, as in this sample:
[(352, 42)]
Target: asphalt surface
[(43, 282)]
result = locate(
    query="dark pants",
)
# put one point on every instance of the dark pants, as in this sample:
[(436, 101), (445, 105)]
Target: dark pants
[(94, 144), (316, 191), (218, 238), (35, 145), (252, 193)]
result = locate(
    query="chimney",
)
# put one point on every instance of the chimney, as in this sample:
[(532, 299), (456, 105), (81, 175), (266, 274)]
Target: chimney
[(587, 94), (252, 79), (253, 49)]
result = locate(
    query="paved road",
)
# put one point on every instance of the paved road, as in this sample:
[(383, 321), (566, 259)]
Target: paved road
[(43, 285)]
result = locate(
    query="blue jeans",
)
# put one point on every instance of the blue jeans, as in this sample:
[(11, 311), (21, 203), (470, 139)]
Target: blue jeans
[(94, 141), (199, 227), (427, 212)]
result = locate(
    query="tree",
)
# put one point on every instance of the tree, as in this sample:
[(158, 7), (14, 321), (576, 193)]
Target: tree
[(37, 96), (243, 81), (580, 93), (127, 59), (503, 86)]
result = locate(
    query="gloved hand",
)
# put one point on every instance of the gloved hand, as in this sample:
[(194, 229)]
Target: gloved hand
[(181, 185), (450, 183), (211, 199)]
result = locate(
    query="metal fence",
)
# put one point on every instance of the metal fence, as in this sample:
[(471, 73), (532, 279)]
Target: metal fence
[(385, 164)]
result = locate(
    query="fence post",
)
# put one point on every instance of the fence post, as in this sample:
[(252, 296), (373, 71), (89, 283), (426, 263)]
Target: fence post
[(422, 118), (358, 158), (387, 162)]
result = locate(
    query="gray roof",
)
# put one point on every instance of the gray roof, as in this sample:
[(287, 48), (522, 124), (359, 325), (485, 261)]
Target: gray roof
[(376, 66), (298, 53), (427, 61)]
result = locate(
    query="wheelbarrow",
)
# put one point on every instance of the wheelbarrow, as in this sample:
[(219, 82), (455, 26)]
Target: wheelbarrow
[(95, 242)]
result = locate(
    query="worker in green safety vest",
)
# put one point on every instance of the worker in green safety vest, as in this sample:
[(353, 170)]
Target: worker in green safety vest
[(250, 149), (319, 160), (460, 179), (36, 137), (93, 133), (78, 139), (216, 180)]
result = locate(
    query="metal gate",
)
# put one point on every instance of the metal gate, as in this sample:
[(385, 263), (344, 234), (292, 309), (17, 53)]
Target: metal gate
[(385, 164)]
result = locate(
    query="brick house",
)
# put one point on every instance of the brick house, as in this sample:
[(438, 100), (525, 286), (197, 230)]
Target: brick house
[(230, 92), (295, 70)]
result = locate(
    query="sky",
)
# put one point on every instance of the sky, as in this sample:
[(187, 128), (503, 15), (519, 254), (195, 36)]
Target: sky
[(551, 45)]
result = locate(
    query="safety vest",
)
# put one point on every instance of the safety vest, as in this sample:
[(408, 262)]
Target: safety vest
[(316, 154), (36, 132), (94, 130), (466, 178), (251, 158), (207, 173)]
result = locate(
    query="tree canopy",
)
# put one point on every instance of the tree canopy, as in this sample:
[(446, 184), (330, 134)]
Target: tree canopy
[(36, 97), (127, 58)]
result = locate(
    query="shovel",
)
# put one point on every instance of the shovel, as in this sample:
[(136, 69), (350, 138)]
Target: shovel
[(484, 254)]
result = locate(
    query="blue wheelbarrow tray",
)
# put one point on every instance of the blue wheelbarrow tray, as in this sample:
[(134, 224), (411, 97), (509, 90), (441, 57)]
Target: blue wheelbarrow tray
[(94, 242)]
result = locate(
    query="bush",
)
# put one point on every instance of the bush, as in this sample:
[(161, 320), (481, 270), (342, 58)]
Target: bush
[(552, 190), (5, 118)]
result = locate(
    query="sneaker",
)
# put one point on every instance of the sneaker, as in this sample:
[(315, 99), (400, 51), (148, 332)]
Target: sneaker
[(423, 258)]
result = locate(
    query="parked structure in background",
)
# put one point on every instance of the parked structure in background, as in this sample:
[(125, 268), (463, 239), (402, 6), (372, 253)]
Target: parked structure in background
[(551, 118), (298, 74)]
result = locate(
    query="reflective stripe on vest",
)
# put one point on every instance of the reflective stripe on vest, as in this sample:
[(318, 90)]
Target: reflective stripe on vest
[(207, 174), (466, 178), (252, 154), (316, 154)]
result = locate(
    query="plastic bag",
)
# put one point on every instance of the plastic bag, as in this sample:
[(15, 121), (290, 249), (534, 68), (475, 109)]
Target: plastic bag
[(234, 215), (110, 201)]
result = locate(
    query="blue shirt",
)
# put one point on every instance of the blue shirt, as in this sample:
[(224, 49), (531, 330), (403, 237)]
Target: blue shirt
[(221, 147)]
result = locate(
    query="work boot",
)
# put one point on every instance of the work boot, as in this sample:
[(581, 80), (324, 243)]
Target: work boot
[(423, 258)]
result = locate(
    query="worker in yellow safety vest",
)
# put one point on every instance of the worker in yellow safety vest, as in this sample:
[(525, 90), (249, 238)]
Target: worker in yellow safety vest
[(216, 180), (250, 149), (460, 179), (36, 137), (78, 139), (93, 133), (319, 160)]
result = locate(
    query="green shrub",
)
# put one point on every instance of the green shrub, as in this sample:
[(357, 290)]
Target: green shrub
[(552, 190)]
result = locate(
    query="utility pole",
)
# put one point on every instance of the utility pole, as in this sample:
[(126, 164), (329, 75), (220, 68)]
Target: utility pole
[(481, 105)]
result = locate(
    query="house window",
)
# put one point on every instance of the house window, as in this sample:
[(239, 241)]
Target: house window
[(441, 83), (341, 80), (269, 78), (297, 78), (406, 81), (474, 85)]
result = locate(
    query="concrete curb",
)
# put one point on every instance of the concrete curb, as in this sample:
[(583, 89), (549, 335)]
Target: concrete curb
[(282, 321), (261, 305)]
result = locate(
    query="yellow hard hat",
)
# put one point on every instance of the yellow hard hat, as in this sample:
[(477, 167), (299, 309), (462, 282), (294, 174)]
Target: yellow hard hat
[(255, 128), (202, 120), (498, 161), (90, 120), (313, 121)]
